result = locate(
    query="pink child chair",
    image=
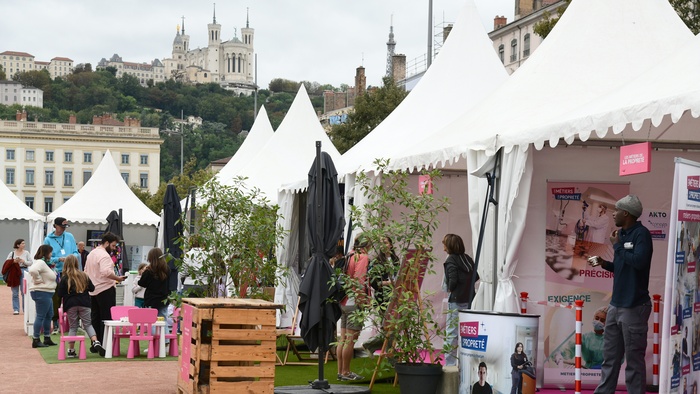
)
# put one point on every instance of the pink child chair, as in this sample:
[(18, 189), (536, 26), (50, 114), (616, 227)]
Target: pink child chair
[(117, 313), (172, 337), (141, 320), (65, 327)]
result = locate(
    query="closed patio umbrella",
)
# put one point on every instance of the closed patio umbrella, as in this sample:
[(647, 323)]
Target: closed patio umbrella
[(172, 230)]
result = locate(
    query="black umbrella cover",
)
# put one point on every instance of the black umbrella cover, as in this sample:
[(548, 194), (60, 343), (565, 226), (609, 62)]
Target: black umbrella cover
[(314, 291), (114, 226), (172, 230)]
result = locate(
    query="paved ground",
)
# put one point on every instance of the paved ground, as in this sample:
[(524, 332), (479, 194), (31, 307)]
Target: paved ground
[(23, 370)]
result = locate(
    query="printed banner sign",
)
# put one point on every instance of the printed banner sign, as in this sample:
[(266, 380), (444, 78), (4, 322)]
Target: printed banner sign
[(680, 357), (579, 225)]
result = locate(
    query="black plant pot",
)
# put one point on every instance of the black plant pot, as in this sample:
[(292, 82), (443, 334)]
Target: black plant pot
[(418, 378)]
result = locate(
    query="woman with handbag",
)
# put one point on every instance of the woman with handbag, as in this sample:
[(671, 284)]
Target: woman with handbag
[(459, 270), (19, 260)]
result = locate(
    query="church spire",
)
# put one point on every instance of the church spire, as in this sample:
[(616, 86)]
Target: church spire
[(214, 13), (390, 46), (183, 25), (247, 17)]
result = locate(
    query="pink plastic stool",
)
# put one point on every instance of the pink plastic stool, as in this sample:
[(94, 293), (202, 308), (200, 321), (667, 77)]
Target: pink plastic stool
[(63, 324)]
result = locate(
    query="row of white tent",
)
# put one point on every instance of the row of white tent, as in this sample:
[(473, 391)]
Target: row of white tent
[(611, 72)]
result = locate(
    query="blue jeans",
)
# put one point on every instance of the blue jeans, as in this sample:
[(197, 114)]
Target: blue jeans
[(452, 335), (15, 298), (44, 312)]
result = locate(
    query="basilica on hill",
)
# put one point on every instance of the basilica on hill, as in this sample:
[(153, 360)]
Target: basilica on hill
[(229, 63)]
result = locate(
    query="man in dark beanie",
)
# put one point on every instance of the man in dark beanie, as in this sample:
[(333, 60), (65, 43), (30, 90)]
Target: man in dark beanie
[(626, 324)]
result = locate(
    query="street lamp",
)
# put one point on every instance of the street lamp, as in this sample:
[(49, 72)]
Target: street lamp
[(182, 138)]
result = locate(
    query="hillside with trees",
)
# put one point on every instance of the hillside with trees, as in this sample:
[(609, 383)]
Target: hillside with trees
[(87, 92)]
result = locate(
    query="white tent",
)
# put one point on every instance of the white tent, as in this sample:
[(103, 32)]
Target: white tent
[(259, 135), (597, 48), (288, 155), (14, 214), (104, 192), (466, 70)]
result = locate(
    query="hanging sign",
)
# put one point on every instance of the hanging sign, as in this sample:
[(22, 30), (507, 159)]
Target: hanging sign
[(635, 158), (425, 184)]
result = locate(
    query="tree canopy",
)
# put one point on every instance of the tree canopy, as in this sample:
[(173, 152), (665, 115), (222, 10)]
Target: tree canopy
[(370, 109)]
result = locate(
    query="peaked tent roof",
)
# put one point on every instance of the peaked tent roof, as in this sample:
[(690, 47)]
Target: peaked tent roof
[(259, 134), (12, 208), (291, 150), (466, 70), (596, 48), (104, 192)]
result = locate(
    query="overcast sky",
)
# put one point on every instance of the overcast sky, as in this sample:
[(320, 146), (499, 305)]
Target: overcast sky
[(312, 40)]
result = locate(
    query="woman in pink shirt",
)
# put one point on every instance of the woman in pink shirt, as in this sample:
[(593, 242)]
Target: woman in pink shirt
[(349, 328)]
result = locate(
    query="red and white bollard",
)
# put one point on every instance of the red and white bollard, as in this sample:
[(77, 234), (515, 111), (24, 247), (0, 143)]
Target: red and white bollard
[(579, 328), (655, 351), (523, 302)]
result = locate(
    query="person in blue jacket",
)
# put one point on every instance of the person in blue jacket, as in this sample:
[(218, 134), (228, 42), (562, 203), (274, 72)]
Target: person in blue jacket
[(63, 244)]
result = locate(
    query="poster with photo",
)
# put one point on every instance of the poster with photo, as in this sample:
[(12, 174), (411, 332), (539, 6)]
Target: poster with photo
[(579, 224), (680, 357)]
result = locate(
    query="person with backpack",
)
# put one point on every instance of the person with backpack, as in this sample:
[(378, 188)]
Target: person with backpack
[(459, 271)]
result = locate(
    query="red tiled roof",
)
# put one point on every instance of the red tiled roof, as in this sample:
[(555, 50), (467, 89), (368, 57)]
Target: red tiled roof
[(41, 63), (13, 53), (65, 59)]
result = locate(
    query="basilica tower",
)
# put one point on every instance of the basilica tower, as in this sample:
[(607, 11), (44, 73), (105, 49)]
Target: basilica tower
[(212, 63)]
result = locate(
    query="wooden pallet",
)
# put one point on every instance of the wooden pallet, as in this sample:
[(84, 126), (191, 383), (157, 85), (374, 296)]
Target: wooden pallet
[(232, 347)]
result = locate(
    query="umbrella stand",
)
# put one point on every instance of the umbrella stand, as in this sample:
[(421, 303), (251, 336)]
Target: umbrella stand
[(320, 383)]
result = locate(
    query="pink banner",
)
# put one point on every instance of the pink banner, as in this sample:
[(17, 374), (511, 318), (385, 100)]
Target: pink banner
[(635, 158)]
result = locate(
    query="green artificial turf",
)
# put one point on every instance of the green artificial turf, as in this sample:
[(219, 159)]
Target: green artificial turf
[(294, 375), (50, 354)]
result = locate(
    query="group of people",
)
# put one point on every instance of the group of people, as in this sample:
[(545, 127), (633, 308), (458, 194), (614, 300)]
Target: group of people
[(87, 295)]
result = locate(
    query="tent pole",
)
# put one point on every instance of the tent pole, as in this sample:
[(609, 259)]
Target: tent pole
[(489, 199)]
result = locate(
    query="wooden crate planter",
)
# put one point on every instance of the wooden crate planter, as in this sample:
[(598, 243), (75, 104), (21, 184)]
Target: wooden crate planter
[(229, 345)]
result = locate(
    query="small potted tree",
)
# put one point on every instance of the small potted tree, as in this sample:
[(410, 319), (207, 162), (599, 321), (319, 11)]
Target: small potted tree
[(397, 216), (237, 234)]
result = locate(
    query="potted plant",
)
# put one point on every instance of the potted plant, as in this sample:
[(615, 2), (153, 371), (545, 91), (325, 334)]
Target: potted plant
[(237, 232), (405, 219)]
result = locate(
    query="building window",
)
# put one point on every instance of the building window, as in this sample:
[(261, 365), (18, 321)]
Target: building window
[(66, 198), (68, 157), (513, 50), (125, 158), (87, 157), (86, 176), (501, 51), (144, 159), (49, 155), (29, 177), (143, 180), (49, 178), (125, 177), (29, 201), (48, 204), (9, 176), (10, 154), (30, 155), (526, 45), (67, 178)]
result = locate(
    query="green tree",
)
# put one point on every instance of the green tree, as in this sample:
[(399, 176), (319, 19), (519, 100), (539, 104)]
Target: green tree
[(548, 21), (35, 78), (370, 110), (3, 76), (689, 11)]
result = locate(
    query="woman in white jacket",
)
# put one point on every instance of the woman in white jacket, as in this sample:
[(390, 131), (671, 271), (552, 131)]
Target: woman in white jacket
[(41, 287)]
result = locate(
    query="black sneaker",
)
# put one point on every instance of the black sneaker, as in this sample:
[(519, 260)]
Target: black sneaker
[(97, 348), (49, 342), (71, 353)]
